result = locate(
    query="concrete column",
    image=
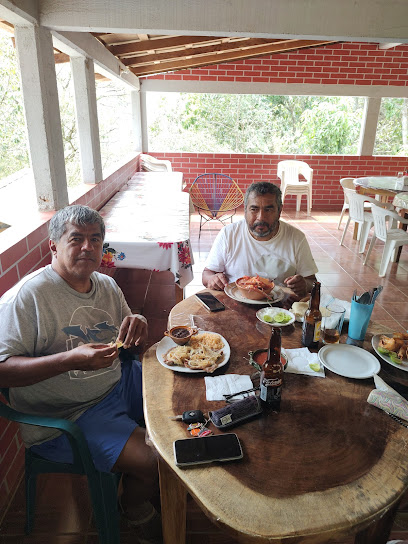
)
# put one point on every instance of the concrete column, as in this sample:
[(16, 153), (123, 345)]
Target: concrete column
[(136, 120), (369, 126), (39, 86), (87, 119), (145, 140)]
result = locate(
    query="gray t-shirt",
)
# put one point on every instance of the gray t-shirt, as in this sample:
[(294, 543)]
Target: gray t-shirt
[(43, 315)]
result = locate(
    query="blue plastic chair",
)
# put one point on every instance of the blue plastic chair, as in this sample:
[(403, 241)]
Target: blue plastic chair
[(103, 486)]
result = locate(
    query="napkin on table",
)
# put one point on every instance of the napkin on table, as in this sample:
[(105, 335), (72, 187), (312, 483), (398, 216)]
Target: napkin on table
[(299, 360), (386, 398), (227, 384)]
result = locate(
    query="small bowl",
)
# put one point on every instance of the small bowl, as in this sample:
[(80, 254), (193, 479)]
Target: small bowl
[(251, 292), (181, 334), (258, 357)]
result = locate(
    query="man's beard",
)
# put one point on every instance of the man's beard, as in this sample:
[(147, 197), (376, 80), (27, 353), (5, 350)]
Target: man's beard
[(263, 234)]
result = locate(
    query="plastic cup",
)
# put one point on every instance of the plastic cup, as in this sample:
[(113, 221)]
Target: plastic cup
[(332, 323), (360, 315)]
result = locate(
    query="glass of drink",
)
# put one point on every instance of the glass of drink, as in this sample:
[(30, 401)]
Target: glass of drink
[(332, 323)]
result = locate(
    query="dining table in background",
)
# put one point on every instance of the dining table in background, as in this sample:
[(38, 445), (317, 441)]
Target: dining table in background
[(148, 227), (382, 187), (327, 466)]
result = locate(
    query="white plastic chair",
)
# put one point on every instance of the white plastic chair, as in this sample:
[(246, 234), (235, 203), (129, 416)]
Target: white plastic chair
[(151, 164), (349, 187), (358, 214), (288, 172), (386, 229)]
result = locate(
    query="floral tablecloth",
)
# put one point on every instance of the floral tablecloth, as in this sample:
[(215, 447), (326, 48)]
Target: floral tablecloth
[(149, 229)]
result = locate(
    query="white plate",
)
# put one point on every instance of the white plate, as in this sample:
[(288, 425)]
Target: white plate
[(375, 341), (232, 291), (167, 343), (349, 361), (273, 311)]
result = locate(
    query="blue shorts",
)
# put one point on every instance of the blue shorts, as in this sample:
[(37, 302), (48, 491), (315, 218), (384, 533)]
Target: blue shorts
[(108, 425)]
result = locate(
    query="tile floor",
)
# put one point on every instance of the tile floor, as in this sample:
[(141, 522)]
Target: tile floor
[(63, 511)]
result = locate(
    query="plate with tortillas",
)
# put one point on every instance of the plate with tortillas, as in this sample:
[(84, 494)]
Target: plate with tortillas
[(204, 352)]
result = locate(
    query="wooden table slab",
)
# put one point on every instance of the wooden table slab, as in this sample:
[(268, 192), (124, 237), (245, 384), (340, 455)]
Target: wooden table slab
[(329, 465)]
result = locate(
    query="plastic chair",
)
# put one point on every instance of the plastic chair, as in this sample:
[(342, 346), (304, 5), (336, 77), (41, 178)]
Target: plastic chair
[(103, 486), (386, 229), (216, 196), (288, 172), (151, 164), (358, 214), (349, 187)]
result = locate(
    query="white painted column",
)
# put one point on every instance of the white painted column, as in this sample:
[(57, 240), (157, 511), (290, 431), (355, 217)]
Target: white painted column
[(143, 112), (136, 119), (39, 86), (369, 126), (87, 119)]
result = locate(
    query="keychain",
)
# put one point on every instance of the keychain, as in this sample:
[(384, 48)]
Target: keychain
[(197, 423)]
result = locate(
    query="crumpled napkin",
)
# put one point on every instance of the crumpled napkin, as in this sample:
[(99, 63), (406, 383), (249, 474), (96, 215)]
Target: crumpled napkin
[(386, 398), (227, 384), (299, 360)]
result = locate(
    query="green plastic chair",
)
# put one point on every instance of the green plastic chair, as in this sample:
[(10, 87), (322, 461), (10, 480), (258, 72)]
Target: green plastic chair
[(103, 486)]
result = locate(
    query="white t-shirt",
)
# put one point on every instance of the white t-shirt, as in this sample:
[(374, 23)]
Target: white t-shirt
[(236, 253)]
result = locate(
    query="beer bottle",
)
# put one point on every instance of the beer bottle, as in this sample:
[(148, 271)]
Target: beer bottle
[(272, 374), (313, 319)]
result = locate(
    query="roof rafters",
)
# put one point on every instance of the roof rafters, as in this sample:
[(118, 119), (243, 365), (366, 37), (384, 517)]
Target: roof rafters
[(191, 61)]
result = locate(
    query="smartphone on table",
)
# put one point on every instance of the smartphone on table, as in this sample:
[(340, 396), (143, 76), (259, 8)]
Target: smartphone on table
[(210, 301), (198, 451)]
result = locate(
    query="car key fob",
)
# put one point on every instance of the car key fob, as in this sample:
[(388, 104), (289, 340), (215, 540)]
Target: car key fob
[(193, 416)]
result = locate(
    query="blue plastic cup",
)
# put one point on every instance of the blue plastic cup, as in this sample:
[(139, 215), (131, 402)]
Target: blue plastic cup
[(360, 315)]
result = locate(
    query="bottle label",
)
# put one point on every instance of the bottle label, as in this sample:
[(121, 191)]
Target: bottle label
[(271, 382), (316, 335), (270, 394)]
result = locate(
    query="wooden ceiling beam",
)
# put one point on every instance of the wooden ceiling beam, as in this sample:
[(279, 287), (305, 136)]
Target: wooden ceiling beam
[(203, 50), (206, 60), (155, 44)]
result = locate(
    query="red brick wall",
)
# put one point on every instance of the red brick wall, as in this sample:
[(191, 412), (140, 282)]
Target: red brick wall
[(337, 64), (327, 171), (16, 260)]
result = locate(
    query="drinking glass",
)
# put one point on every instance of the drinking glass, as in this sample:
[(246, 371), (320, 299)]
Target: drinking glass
[(332, 323)]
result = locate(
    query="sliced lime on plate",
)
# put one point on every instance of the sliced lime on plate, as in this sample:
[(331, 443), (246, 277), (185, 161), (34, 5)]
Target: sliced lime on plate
[(315, 366), (268, 318)]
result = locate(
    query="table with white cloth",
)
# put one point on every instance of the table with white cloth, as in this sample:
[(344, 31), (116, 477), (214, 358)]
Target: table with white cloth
[(147, 227)]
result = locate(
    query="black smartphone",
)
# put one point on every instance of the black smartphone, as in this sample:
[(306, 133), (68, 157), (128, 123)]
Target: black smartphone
[(197, 451), (210, 302)]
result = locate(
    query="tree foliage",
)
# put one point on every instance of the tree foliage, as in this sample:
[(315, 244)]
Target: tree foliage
[(256, 124), (13, 139)]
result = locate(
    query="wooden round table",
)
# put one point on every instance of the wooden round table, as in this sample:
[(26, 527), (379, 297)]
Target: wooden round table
[(329, 465)]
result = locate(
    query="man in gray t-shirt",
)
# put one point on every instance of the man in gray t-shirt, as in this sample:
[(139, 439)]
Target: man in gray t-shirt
[(59, 357)]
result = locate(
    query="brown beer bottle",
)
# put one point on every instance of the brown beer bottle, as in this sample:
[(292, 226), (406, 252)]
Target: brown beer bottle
[(312, 320), (272, 374)]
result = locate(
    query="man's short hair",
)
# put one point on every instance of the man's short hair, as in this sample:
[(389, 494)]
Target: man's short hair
[(262, 188), (76, 215)]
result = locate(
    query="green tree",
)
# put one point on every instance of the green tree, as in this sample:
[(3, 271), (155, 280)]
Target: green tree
[(257, 124), (13, 139)]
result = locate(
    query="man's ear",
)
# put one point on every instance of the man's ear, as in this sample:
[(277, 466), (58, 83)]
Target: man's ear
[(53, 247)]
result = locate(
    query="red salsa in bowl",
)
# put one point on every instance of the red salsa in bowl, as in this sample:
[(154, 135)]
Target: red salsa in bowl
[(181, 334)]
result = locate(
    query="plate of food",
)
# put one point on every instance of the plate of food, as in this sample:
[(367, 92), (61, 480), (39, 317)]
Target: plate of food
[(276, 317), (392, 348), (275, 295), (204, 352), (349, 361)]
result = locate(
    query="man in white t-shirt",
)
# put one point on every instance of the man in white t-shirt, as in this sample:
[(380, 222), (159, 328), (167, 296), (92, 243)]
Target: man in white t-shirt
[(261, 244)]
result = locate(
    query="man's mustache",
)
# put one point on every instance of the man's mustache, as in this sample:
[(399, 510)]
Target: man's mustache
[(260, 224)]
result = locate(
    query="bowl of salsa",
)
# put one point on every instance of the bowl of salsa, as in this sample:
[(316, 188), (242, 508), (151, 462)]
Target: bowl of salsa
[(181, 334)]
